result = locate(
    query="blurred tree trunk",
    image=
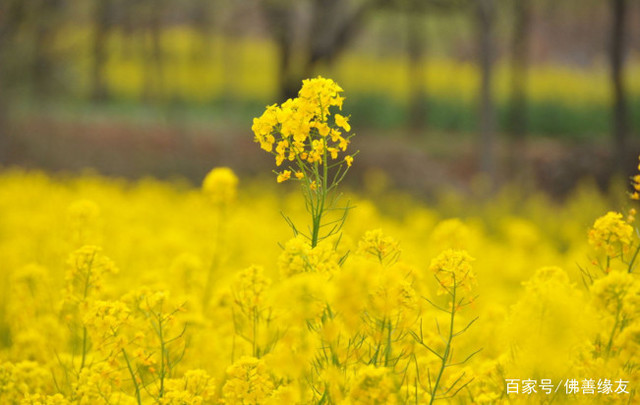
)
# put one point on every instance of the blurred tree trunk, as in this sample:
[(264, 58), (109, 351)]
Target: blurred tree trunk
[(4, 133), (417, 82), (203, 23), (619, 113), (281, 20), (102, 25), (332, 24), (5, 23), (11, 13), (156, 49), (415, 12), (154, 78), (485, 14), (520, 47), (46, 14)]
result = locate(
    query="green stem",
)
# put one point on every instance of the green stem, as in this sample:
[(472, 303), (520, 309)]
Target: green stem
[(633, 259), (387, 353), (133, 376), (613, 331), (323, 198), (447, 349), (162, 356), (316, 230), (319, 209)]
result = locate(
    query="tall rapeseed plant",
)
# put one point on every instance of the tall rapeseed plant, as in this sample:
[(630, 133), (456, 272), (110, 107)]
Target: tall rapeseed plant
[(309, 140)]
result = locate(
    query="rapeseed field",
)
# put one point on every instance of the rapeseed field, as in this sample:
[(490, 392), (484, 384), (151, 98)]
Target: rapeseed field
[(294, 291)]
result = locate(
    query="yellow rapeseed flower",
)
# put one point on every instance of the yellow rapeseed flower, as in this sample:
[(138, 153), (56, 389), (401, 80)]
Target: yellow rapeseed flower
[(375, 243), (284, 176), (220, 185), (374, 385), (300, 128), (248, 382), (611, 234), (342, 122), (453, 269), (349, 160)]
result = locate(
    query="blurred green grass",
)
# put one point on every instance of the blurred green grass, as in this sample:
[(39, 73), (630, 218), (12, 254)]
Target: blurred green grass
[(368, 111)]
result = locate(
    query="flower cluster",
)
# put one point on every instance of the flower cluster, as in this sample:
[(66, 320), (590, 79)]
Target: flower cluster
[(611, 234), (618, 292), (299, 257), (248, 382), (250, 288), (304, 131), (453, 270), (87, 267), (220, 186), (383, 248), (374, 385), (104, 321), (194, 388)]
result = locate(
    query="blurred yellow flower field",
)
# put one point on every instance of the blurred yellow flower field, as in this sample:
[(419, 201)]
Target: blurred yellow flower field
[(200, 71), (95, 268), (118, 292)]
